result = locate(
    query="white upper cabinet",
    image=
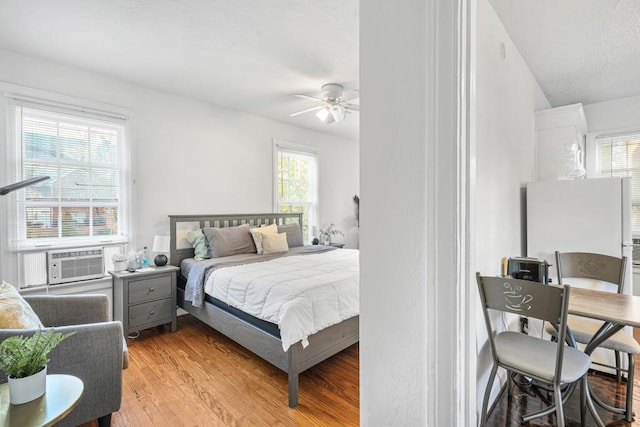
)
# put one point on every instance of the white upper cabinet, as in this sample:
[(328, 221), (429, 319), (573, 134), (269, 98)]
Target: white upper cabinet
[(560, 143)]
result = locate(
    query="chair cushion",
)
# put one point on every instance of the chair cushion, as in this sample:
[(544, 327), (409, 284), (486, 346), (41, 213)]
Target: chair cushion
[(15, 312), (537, 357), (583, 330)]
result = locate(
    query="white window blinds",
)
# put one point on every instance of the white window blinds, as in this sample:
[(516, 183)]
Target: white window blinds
[(620, 156), (296, 183), (84, 201)]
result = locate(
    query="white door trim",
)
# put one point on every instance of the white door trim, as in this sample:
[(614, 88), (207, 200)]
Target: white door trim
[(417, 166), (452, 367)]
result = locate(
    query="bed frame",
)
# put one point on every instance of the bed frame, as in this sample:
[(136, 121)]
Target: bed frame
[(322, 344)]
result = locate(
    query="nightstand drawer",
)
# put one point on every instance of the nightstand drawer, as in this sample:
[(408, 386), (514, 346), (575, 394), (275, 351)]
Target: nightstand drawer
[(146, 298), (150, 312), (149, 289)]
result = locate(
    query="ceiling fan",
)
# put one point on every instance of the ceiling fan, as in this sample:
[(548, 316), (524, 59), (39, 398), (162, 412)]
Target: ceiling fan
[(331, 106)]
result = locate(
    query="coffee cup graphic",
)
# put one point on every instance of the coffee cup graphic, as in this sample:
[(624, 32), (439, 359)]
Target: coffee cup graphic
[(518, 301), (514, 300)]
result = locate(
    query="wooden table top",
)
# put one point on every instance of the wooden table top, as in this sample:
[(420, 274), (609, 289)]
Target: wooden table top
[(608, 306), (62, 395)]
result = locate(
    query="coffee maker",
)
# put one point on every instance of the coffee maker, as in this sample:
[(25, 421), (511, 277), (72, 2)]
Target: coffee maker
[(533, 269)]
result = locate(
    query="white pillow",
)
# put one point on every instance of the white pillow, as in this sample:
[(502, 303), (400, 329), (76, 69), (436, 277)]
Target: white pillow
[(258, 232), (275, 243)]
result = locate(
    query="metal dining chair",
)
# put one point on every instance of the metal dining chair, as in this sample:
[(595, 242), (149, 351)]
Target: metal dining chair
[(548, 362), (609, 269)]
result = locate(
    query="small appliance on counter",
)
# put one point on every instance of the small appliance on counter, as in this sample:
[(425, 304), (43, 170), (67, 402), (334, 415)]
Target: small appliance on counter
[(533, 269)]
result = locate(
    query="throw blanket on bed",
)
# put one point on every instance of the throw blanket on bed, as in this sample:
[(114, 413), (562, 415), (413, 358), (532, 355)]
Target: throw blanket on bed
[(301, 294)]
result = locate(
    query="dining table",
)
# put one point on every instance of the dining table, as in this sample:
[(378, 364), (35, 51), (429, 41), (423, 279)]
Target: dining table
[(615, 310)]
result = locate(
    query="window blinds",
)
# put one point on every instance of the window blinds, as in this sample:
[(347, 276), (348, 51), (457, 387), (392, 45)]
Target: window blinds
[(620, 156), (82, 202)]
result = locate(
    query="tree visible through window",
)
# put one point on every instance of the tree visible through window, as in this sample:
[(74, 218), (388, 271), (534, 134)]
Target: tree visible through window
[(296, 184)]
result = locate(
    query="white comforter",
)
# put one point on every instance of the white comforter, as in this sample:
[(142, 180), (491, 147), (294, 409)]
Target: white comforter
[(301, 294)]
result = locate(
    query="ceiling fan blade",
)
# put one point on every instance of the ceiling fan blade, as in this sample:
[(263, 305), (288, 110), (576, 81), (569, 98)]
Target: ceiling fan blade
[(308, 110), (312, 98), (353, 107)]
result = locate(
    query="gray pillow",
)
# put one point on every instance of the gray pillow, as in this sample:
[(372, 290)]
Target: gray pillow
[(229, 240), (294, 234)]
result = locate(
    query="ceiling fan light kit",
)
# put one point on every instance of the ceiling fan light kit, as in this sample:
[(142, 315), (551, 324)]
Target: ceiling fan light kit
[(332, 107), (330, 114)]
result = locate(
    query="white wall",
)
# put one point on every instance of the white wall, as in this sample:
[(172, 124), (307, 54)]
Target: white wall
[(415, 333), (196, 158), (619, 114), (507, 95)]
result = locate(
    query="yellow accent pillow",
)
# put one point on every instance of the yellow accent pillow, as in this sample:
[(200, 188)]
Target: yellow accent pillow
[(257, 234), (275, 243), (15, 312)]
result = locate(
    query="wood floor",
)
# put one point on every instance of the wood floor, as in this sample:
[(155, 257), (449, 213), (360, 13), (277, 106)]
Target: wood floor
[(197, 377)]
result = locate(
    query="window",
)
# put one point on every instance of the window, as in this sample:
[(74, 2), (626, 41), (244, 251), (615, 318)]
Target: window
[(84, 201), (296, 183), (619, 156)]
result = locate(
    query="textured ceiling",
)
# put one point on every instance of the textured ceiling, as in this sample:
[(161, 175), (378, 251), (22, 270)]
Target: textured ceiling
[(253, 55), (247, 55), (579, 50)]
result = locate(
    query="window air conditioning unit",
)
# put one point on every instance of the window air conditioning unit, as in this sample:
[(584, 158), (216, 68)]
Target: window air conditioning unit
[(72, 265)]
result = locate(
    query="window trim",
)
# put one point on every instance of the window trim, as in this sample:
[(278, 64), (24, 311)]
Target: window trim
[(592, 161), (11, 159), (592, 146), (295, 147)]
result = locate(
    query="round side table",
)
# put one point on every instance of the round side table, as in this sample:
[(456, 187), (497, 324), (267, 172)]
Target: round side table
[(63, 394)]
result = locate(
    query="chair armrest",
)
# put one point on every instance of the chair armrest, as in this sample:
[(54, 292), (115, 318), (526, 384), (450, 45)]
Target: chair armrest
[(60, 310)]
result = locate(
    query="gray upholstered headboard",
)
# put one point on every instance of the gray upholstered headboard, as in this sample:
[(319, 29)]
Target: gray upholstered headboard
[(181, 225)]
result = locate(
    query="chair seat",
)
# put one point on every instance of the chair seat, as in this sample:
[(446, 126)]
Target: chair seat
[(583, 330), (537, 357)]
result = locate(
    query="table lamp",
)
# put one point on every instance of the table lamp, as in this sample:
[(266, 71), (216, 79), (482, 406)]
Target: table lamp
[(160, 245)]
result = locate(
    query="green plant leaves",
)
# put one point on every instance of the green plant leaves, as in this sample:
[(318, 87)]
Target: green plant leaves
[(25, 356)]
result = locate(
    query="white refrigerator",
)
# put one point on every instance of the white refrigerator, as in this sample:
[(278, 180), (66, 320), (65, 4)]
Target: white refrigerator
[(587, 215)]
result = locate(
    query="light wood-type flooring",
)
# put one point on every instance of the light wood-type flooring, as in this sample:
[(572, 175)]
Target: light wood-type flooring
[(197, 377)]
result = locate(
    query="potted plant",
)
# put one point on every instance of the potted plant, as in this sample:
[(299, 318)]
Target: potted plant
[(24, 360), (325, 234), (119, 262)]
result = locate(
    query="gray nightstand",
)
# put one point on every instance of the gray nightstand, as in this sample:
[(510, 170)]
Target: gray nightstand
[(145, 298)]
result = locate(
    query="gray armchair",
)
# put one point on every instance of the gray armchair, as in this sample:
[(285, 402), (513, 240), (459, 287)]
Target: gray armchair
[(96, 353)]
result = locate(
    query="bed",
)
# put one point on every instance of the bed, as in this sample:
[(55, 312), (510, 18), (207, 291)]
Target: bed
[(259, 336)]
